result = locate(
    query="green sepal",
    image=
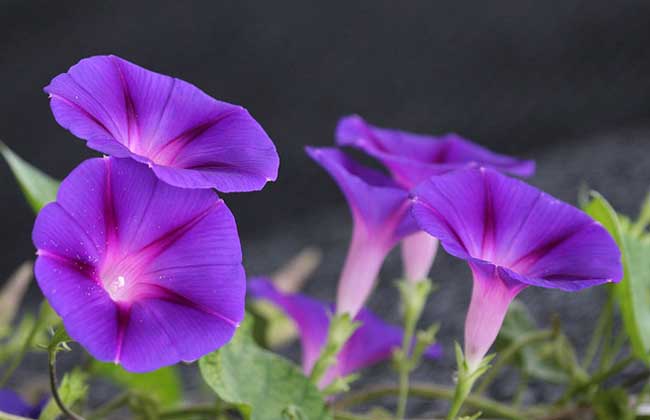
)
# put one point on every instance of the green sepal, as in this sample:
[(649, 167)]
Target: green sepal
[(340, 330)]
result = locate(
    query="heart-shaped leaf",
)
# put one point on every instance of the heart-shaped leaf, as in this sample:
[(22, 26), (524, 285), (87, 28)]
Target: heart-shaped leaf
[(262, 384)]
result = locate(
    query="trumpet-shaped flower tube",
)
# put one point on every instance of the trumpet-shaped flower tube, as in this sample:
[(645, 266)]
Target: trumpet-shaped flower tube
[(412, 158), (381, 218), (418, 252), (513, 236), (373, 342), (142, 273), (188, 138), (12, 403)]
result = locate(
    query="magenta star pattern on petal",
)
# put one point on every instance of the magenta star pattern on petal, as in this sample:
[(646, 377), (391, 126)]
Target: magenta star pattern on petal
[(142, 273), (513, 236), (189, 139)]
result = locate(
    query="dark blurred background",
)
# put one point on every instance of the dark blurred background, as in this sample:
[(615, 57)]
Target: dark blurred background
[(567, 83)]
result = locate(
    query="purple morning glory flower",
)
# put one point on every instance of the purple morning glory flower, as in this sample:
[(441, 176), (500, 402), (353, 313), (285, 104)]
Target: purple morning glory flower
[(412, 158), (12, 403), (142, 273), (373, 342), (513, 236), (188, 138), (381, 218)]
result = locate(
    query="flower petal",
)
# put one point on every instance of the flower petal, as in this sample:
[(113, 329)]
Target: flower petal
[(89, 315), (381, 219), (141, 259), (162, 332), (412, 158), (373, 342), (12, 403), (374, 199), (194, 141), (418, 252), (491, 296), (310, 316), (533, 238)]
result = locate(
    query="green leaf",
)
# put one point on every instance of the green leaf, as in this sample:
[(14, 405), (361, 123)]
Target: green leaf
[(164, 384), (601, 211), (633, 292), (72, 390), (640, 226), (263, 385), (38, 187)]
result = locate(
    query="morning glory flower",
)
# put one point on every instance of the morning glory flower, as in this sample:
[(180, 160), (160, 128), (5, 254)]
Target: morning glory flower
[(374, 341), (142, 273), (12, 403), (412, 158), (513, 236), (188, 138), (381, 218)]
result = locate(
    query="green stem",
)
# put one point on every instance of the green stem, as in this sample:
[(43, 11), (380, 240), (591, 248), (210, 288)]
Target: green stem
[(597, 336), (605, 352), (105, 409), (488, 406), (521, 390), (614, 349), (204, 409), (466, 377), (413, 296), (340, 329), (405, 367), (461, 393), (55, 388), (345, 415), (23, 349), (597, 379), (509, 353)]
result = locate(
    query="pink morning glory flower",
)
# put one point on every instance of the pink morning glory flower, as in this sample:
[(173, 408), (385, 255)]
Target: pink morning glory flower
[(513, 236), (412, 158), (381, 218), (188, 138), (142, 273), (374, 341)]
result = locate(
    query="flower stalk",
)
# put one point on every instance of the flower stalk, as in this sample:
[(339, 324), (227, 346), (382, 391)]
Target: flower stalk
[(56, 345), (413, 297), (467, 376), (340, 330)]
